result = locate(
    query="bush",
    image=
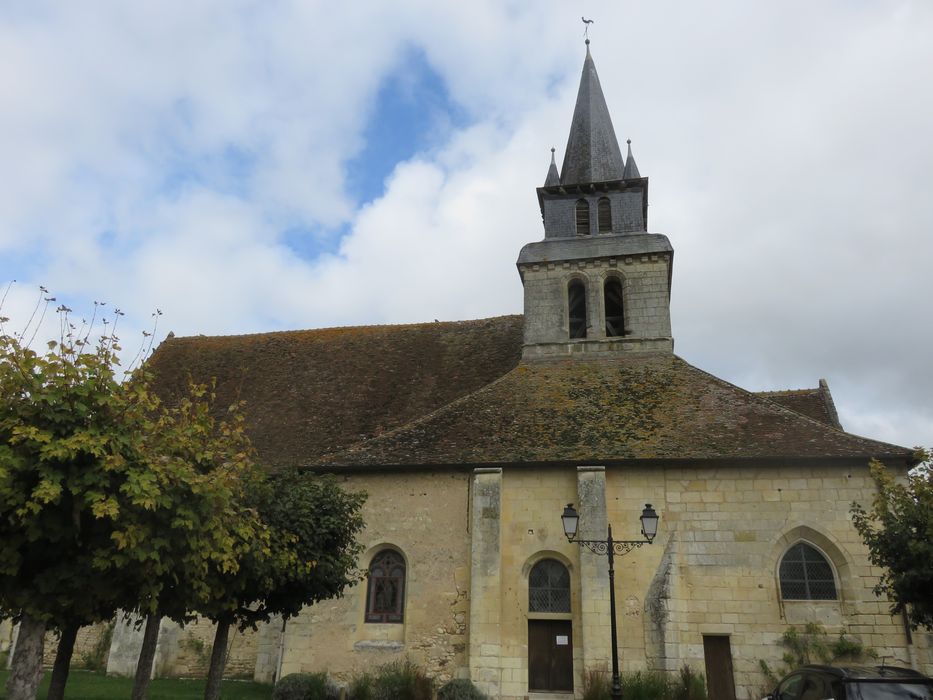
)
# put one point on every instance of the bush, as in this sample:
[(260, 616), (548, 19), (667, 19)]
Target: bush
[(460, 689), (596, 684), (402, 680), (361, 687), (646, 685), (305, 686), (689, 685)]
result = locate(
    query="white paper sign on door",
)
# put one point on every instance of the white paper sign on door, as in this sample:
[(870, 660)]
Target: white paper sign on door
[(562, 640)]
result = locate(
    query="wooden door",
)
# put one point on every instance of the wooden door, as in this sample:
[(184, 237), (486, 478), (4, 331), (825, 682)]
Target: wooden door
[(550, 655), (719, 680)]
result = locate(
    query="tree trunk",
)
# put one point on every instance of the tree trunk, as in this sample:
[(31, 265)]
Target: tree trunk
[(218, 661), (26, 671), (146, 657), (66, 646)]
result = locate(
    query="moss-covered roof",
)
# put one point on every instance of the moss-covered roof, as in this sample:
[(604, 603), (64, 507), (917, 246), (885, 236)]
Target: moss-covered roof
[(636, 407), (816, 403), (457, 394), (316, 391)]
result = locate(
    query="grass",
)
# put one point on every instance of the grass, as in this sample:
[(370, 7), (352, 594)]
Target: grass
[(90, 685)]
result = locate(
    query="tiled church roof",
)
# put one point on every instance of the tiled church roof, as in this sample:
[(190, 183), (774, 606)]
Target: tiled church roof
[(816, 403), (649, 406), (456, 394), (311, 392)]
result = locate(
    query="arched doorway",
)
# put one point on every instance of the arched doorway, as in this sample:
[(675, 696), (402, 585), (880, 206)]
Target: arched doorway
[(550, 629)]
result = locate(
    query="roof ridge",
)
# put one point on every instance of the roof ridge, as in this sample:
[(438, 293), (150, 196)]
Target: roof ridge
[(787, 392), (295, 331)]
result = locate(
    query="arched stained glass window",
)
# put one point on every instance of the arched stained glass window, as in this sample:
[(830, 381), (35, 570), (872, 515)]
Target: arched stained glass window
[(615, 314), (583, 217), (576, 307), (385, 593), (604, 215), (806, 575), (549, 587)]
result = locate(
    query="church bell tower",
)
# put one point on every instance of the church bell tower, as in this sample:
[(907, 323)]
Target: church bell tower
[(598, 283)]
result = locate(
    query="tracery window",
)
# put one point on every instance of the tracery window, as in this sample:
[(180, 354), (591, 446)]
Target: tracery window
[(385, 593), (615, 312), (806, 574), (549, 587), (583, 217), (576, 307), (604, 215)]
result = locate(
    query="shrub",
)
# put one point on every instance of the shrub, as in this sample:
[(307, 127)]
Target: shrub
[(305, 686), (596, 684), (361, 687), (95, 659), (401, 680), (460, 689), (646, 685), (690, 685)]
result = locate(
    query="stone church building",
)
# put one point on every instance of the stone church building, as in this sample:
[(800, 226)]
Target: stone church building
[(471, 437)]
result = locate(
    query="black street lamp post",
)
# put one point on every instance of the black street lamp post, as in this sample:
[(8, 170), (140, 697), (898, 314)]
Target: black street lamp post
[(610, 547)]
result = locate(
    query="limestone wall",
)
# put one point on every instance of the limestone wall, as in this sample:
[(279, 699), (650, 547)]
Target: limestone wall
[(646, 297), (423, 516), (711, 571), (92, 647)]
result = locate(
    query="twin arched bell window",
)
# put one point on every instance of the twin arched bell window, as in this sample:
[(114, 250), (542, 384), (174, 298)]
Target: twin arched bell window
[(603, 216), (613, 308), (805, 574)]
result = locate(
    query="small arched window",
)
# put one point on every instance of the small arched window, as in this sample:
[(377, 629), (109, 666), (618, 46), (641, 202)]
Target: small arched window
[(576, 306), (385, 592), (549, 587), (604, 215), (583, 217), (806, 575), (615, 313)]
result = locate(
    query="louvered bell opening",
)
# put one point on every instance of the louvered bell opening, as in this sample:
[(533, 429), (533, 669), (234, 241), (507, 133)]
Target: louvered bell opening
[(604, 215), (583, 217), (615, 315), (576, 304)]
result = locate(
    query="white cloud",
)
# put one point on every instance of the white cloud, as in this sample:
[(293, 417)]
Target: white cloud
[(154, 155)]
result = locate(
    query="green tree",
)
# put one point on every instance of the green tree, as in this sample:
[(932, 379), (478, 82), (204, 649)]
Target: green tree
[(898, 531), (109, 499), (201, 524), (311, 557), (68, 428)]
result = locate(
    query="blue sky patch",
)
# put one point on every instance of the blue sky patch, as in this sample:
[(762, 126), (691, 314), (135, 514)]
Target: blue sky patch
[(413, 112)]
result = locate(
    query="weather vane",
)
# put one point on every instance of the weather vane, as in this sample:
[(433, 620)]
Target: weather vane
[(586, 23)]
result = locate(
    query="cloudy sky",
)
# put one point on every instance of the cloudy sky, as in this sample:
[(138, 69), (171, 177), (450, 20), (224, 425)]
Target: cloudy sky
[(249, 165)]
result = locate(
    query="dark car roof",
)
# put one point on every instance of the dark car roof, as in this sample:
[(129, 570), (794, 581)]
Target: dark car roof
[(867, 672)]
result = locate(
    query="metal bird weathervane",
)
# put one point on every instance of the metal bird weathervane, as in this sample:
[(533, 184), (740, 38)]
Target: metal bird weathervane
[(586, 23)]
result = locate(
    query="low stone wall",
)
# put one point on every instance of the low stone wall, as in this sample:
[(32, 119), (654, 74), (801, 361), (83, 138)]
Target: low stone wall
[(92, 647)]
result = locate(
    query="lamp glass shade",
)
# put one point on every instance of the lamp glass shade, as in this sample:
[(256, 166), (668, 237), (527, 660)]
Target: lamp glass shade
[(570, 518), (649, 522)]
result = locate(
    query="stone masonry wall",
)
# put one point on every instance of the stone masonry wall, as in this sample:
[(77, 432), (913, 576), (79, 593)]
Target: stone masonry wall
[(425, 517), (646, 298), (92, 646), (712, 570), (729, 528)]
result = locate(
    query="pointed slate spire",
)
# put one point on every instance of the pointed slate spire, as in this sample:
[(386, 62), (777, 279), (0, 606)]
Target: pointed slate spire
[(593, 153), (553, 177), (631, 170)]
